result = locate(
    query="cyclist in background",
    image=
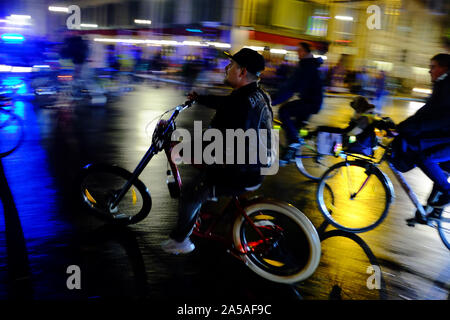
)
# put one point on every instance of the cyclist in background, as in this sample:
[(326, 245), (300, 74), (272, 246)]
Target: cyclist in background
[(76, 49), (424, 138), (307, 82), (247, 107)]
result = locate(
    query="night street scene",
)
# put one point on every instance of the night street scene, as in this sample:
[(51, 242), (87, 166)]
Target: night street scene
[(225, 158)]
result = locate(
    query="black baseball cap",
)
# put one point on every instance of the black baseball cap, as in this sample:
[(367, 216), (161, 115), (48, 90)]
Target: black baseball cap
[(249, 59)]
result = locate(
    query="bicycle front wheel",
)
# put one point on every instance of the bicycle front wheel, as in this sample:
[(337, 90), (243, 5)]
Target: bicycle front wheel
[(289, 251), (310, 163), (361, 196), (11, 132), (99, 186)]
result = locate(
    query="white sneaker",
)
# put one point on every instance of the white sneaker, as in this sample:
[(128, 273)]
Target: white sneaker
[(175, 247)]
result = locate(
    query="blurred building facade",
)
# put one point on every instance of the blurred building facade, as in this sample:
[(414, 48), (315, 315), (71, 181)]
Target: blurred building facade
[(409, 34), (411, 31)]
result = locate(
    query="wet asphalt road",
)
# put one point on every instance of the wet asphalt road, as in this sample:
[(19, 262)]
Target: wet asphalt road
[(43, 232)]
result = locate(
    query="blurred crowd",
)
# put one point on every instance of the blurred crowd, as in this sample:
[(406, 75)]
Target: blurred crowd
[(369, 82), (106, 66)]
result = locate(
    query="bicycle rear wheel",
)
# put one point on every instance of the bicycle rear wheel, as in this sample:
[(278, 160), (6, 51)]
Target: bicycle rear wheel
[(361, 194), (11, 132), (292, 253), (444, 227), (310, 163), (100, 184)]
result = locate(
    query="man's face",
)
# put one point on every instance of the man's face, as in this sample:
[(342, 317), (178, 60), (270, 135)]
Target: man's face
[(233, 74), (436, 70), (301, 52)]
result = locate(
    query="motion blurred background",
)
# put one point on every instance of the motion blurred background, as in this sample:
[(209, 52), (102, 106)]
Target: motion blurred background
[(88, 93), (184, 39)]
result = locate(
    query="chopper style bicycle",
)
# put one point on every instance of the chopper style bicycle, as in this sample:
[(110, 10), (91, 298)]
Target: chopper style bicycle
[(274, 239)]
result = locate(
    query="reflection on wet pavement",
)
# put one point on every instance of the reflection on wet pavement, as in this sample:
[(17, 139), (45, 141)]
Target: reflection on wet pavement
[(44, 231)]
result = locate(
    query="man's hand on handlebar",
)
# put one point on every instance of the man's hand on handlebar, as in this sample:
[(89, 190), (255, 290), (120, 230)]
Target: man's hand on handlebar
[(192, 96), (390, 127)]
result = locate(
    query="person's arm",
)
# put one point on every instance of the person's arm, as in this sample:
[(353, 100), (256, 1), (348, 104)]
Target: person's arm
[(210, 101), (213, 101), (432, 123), (356, 126), (424, 123)]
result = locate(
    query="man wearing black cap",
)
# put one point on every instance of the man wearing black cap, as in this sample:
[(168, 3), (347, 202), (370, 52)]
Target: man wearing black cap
[(247, 107)]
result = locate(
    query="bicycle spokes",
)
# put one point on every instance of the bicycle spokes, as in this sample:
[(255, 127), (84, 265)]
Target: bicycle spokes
[(353, 196), (100, 190), (283, 247)]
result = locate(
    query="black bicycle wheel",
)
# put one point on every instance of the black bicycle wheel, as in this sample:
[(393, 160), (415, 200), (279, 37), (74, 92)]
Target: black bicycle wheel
[(361, 193), (444, 227), (293, 251), (11, 132), (99, 184), (310, 163)]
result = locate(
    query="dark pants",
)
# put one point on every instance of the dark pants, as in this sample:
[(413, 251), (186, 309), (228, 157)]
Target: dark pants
[(434, 163), (292, 114), (196, 192)]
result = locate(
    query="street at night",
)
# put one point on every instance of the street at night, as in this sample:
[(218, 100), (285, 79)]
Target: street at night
[(225, 158), (45, 231)]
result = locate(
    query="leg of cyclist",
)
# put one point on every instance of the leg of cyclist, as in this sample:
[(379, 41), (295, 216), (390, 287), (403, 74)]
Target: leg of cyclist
[(193, 195), (433, 166), (206, 186), (300, 111), (287, 112)]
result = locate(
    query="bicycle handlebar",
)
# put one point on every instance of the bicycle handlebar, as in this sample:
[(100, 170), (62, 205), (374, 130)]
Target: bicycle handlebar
[(180, 108), (164, 126)]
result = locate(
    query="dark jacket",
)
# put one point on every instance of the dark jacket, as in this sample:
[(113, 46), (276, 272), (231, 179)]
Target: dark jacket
[(433, 119), (75, 48), (306, 81), (426, 130), (248, 107)]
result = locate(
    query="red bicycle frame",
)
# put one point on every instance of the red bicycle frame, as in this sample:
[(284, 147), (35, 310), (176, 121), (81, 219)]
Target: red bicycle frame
[(209, 232)]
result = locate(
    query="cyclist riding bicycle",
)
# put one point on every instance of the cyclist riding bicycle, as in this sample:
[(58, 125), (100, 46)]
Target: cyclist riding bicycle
[(424, 138), (307, 82), (247, 107)]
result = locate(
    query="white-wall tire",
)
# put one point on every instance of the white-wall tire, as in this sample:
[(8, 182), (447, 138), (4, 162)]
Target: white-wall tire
[(296, 219)]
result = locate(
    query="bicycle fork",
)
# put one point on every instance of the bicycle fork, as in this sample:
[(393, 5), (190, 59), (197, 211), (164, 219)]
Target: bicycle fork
[(140, 167)]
